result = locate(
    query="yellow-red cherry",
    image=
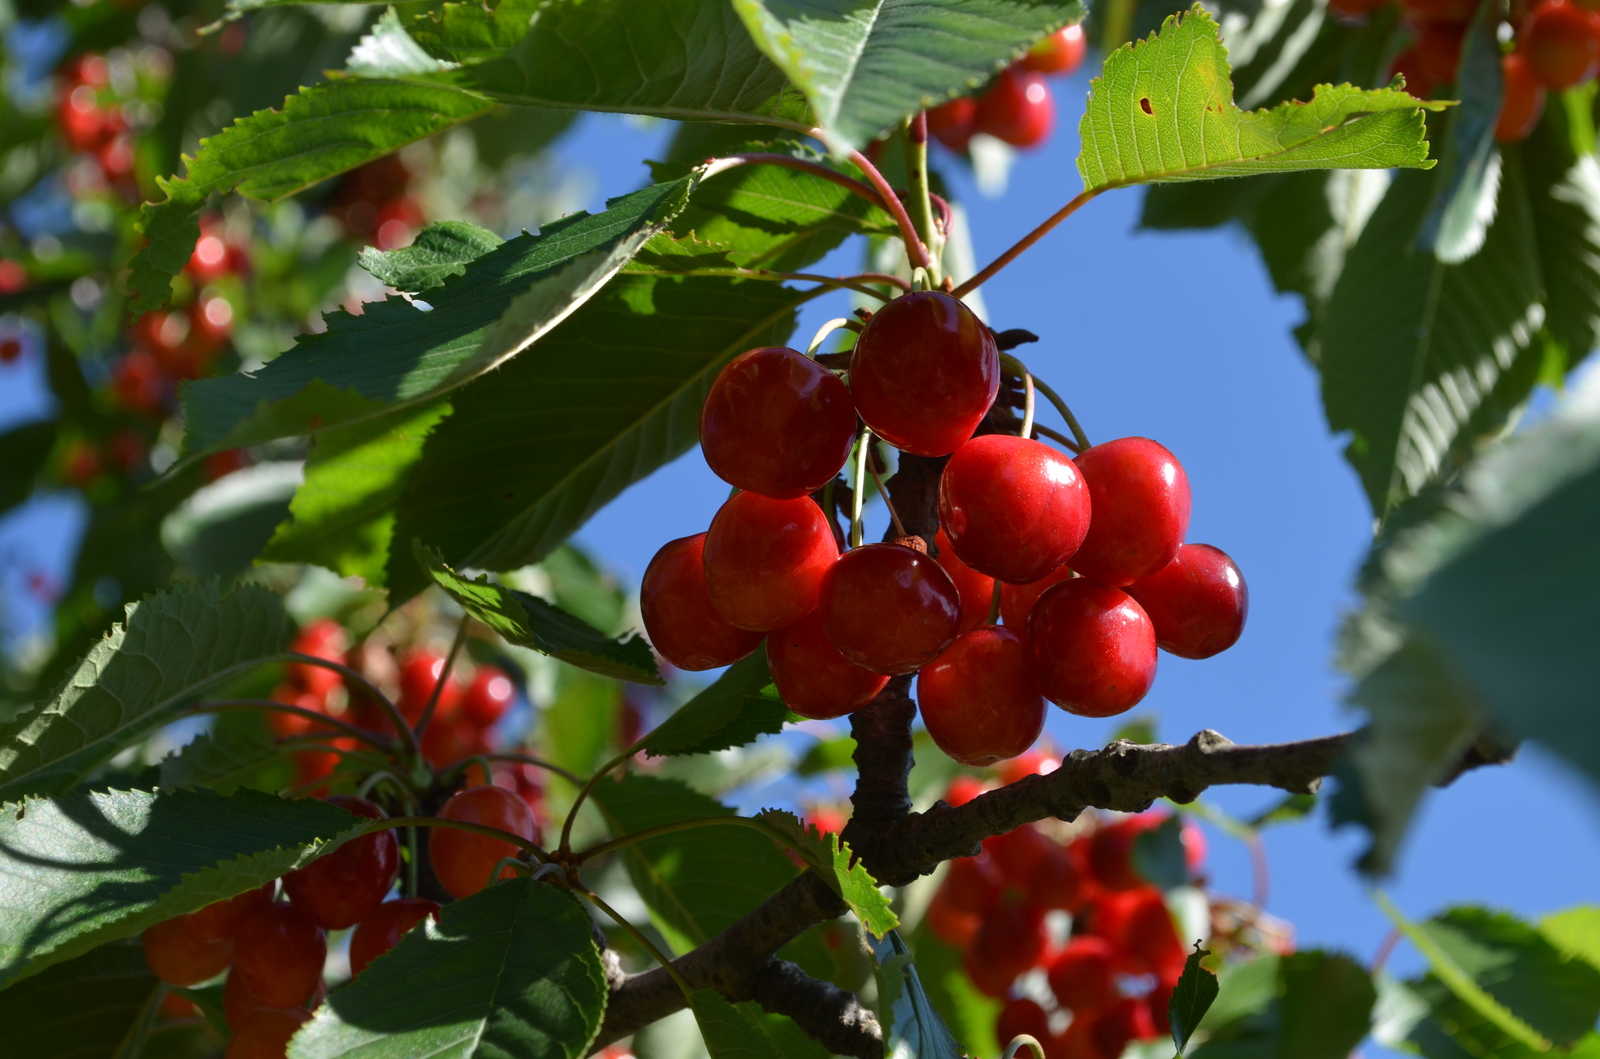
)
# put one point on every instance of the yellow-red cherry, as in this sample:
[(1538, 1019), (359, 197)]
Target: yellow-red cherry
[(924, 372), (1197, 603), (463, 861), (976, 590), (1062, 52), (340, 889), (1562, 44), (266, 1034), (765, 560), (888, 608), (279, 953), (383, 929), (813, 678), (978, 699), (777, 423), (180, 955), (1012, 508), (679, 619), (1093, 648), (1139, 510)]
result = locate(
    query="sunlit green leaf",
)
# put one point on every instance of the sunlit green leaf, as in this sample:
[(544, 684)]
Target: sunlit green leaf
[(830, 857), (731, 712), (439, 252)]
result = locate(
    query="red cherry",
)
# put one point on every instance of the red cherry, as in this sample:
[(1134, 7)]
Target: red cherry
[(1349, 9), (1523, 103), (1439, 48), (1194, 846), (814, 679), (974, 884), (1126, 1021), (1022, 1016), (978, 699), (1048, 875), (488, 696), (239, 1003), (1460, 11), (1151, 943), (1017, 108), (765, 560), (777, 423), (1016, 601), (1139, 499), (1110, 858), (924, 372), (1033, 763), (976, 590), (140, 383), (461, 860), (291, 724), (221, 464), (419, 674), (180, 955), (1013, 508), (1076, 1043), (1083, 975), (279, 953), (951, 123), (13, 277), (219, 920), (1093, 648), (342, 888), (1562, 44), (1008, 944), (1197, 603), (383, 929), (265, 1034), (683, 626), (949, 924), (889, 609), (1062, 52), (963, 789), (323, 638)]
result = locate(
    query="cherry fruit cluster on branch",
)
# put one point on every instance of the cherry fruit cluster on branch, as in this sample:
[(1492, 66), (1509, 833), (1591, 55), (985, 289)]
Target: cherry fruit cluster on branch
[(1016, 107), (1083, 558)]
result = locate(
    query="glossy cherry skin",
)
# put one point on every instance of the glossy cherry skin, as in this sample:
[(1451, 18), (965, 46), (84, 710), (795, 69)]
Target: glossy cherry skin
[(239, 1003), (1017, 108), (266, 1034), (383, 929), (1022, 1016), (1093, 648), (488, 696), (1139, 512), (1009, 943), (951, 123), (1562, 44), (978, 699), (1523, 103), (976, 590), (419, 674), (777, 423), (924, 373), (279, 954), (1016, 601), (814, 679), (462, 861), (1439, 48), (219, 920), (889, 609), (1062, 52), (180, 956), (1012, 508), (683, 626), (323, 638), (342, 888), (1082, 976), (1197, 603), (765, 560)]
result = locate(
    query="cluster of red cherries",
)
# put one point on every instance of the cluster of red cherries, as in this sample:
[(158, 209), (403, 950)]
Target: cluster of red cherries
[(375, 203), (1114, 972), (1554, 45), (1016, 107), (93, 121), (1084, 557)]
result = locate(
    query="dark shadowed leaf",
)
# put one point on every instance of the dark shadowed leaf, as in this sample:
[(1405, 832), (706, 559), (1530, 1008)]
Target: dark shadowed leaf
[(831, 859), (22, 453), (733, 711), (1327, 1005), (85, 1008), (1159, 857), (222, 760), (1564, 187), (1469, 177), (730, 1033), (1192, 997)]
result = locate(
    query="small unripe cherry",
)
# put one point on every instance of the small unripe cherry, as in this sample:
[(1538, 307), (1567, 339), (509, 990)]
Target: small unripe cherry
[(383, 929), (279, 953), (978, 699), (342, 888), (1093, 648), (1012, 508), (813, 678), (889, 609), (266, 1034), (1083, 975), (1197, 603), (1016, 601), (178, 955), (976, 590), (777, 423), (488, 696), (924, 372), (1062, 52), (462, 861), (1017, 108), (1139, 510), (1562, 44), (765, 560), (1523, 103), (679, 619)]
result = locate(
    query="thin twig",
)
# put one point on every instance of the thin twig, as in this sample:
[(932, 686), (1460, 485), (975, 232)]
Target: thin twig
[(372, 739), (988, 271), (444, 677), (639, 936), (524, 759), (899, 527), (713, 166)]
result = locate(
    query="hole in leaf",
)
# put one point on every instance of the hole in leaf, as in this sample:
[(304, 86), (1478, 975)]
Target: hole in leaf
[(1145, 103)]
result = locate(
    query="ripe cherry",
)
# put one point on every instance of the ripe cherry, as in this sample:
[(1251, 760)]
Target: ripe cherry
[(462, 861), (1048, 875), (323, 638), (1418, 81), (777, 423), (814, 679), (951, 925), (383, 929), (1110, 857), (924, 372), (1013, 508), (1022, 1016), (1562, 44), (1151, 944), (1083, 975), (951, 123), (1008, 944), (765, 560), (420, 670), (1523, 103), (974, 884), (1093, 648), (889, 609), (978, 699), (963, 789), (1197, 603), (976, 590), (180, 955), (1017, 108), (1062, 52), (266, 1034), (488, 696), (683, 626), (220, 919), (342, 888), (239, 1003), (1439, 48), (1139, 500), (1125, 1021), (1016, 601), (279, 953)]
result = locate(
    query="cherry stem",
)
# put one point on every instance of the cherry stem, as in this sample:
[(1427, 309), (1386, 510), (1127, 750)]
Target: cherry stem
[(1027, 405), (639, 936), (916, 253), (988, 271), (899, 527), (524, 759), (858, 498), (1016, 367), (836, 324), (994, 604), (1057, 436), (583, 792), (360, 680), (512, 837), (1021, 1041), (444, 677), (375, 778), (915, 142), (237, 705)]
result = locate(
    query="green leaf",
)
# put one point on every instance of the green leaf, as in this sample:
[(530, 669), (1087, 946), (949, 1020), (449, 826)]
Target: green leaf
[(970, 1014), (223, 761), (730, 1033), (1192, 997), (529, 621), (865, 66), (219, 531), (698, 882), (83, 1008), (1159, 857), (830, 857), (1307, 1005), (1131, 136), (23, 451), (439, 252), (472, 33), (1470, 174), (582, 588), (828, 755), (389, 51), (1293, 807), (579, 728), (600, 403), (917, 1031), (667, 253), (83, 869), (733, 711), (394, 354), (510, 971), (322, 132), (1564, 188), (1575, 932), (171, 648)]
